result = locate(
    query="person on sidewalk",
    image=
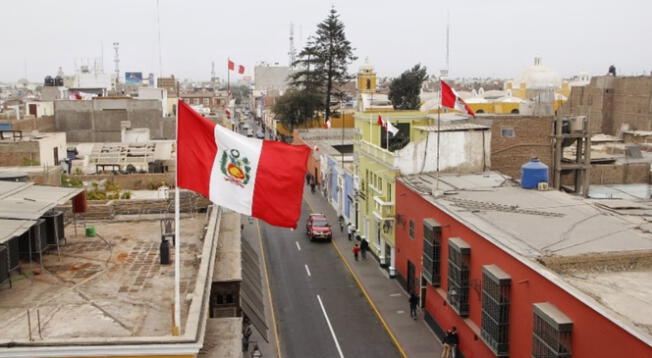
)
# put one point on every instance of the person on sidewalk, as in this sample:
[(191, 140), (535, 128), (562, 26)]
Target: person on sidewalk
[(246, 335), (356, 251), (414, 300), (450, 343), (364, 246), (312, 187), (349, 231)]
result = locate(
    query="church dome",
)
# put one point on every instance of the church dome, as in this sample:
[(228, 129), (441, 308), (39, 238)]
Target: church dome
[(366, 67), (539, 76)]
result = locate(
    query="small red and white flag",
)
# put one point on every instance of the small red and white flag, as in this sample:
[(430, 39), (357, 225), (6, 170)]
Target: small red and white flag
[(327, 125), (387, 125), (254, 177), (450, 99), (241, 69), (231, 65)]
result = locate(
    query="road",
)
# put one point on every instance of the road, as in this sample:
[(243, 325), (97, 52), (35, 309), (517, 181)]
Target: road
[(320, 310)]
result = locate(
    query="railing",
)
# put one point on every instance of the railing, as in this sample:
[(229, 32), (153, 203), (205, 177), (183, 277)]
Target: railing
[(383, 209), (385, 156)]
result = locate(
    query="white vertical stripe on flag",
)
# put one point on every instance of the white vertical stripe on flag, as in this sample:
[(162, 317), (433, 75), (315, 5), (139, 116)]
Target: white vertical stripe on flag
[(226, 189)]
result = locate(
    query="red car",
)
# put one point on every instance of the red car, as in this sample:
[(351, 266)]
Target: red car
[(317, 227)]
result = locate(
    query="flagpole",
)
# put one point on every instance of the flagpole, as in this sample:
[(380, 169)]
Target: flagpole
[(438, 135), (177, 240)]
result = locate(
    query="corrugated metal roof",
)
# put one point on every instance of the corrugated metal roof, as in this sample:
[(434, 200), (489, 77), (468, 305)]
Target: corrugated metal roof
[(13, 228), (22, 209), (9, 187), (48, 194)]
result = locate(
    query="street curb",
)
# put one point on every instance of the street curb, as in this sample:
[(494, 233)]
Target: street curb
[(364, 292)]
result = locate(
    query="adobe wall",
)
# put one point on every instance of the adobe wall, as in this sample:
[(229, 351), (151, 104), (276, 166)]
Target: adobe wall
[(532, 138), (625, 173)]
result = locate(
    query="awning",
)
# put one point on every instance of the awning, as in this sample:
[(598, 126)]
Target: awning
[(23, 209), (251, 292), (13, 228)]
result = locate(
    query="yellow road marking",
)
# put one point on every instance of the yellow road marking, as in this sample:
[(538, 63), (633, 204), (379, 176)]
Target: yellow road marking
[(364, 292), (269, 291)]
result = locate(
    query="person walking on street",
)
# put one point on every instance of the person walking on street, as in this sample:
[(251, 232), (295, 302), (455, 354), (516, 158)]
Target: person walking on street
[(356, 251), (246, 334), (414, 300), (312, 186), (308, 179), (446, 349), (349, 231), (364, 246)]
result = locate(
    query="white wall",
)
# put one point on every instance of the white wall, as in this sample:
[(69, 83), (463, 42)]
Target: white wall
[(42, 108), (461, 150), (160, 94), (47, 145)]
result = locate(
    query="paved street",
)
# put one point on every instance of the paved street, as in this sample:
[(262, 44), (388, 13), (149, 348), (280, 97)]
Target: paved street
[(320, 310)]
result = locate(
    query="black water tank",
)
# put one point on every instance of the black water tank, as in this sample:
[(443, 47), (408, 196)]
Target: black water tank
[(58, 81), (49, 81)]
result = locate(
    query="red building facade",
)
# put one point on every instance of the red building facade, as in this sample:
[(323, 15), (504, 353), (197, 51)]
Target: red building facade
[(532, 306)]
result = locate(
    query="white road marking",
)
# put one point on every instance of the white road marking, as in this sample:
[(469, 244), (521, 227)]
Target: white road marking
[(337, 344), (308, 270), (395, 295), (400, 311), (298, 247)]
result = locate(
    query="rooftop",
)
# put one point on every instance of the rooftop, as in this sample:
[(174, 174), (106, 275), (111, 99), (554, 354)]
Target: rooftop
[(597, 250)]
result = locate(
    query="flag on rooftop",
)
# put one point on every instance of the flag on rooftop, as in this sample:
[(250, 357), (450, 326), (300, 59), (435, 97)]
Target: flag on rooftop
[(231, 65), (241, 69), (389, 127), (450, 99), (254, 177)]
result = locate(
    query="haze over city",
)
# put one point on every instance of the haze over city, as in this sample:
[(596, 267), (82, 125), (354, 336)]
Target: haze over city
[(488, 39)]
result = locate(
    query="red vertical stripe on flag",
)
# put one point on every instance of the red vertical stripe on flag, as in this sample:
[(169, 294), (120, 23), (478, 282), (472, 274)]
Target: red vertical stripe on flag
[(196, 150), (279, 183), (241, 69), (231, 65)]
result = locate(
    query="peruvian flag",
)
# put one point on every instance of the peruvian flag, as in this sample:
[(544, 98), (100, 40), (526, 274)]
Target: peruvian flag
[(263, 179), (227, 111), (387, 125), (327, 125), (450, 99), (241, 69), (231, 65)]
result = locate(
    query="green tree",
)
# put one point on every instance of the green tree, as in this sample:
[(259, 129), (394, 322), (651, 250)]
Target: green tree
[(296, 107), (404, 91), (323, 62)]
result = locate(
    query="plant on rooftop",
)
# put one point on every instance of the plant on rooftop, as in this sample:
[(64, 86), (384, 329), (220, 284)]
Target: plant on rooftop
[(405, 90)]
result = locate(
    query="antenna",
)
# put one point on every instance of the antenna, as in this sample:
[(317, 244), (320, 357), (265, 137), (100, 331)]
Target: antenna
[(213, 74), (292, 52), (116, 60), (448, 37)]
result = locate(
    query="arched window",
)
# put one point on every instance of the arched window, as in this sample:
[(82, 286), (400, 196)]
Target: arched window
[(368, 83), (479, 111), (515, 111)]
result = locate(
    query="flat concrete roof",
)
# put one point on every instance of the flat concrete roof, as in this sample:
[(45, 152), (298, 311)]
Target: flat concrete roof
[(223, 338), (514, 217), (228, 266), (109, 293)]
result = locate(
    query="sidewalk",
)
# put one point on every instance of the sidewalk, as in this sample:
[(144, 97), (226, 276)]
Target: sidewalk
[(390, 300)]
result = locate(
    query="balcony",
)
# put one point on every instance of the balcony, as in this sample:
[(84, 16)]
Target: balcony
[(383, 210), (386, 157)]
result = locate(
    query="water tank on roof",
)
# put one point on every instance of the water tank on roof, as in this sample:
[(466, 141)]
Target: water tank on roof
[(58, 81), (49, 81), (533, 173)]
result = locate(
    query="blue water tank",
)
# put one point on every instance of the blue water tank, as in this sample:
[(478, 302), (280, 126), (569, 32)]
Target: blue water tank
[(533, 173)]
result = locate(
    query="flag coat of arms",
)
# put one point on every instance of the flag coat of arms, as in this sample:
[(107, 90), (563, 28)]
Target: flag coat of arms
[(263, 179)]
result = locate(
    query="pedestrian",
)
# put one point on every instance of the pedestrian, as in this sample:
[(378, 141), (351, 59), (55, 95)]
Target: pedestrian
[(364, 246), (414, 300), (308, 179), (312, 187), (349, 231), (340, 220), (356, 251), (246, 334), (450, 343)]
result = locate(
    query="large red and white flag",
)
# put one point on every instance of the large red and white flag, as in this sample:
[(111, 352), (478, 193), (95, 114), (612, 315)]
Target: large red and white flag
[(263, 179), (450, 99)]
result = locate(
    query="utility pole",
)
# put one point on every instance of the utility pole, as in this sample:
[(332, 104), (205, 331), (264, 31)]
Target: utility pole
[(116, 60)]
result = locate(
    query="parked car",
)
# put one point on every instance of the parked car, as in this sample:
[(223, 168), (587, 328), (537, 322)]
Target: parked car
[(318, 228)]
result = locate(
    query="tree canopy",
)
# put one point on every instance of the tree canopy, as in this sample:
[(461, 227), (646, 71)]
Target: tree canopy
[(405, 90), (296, 107)]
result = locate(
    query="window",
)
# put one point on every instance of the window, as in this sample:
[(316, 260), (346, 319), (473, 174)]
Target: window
[(380, 183), (389, 192), (431, 251), (551, 335), (207, 101), (459, 255), (507, 132), (495, 309), (411, 229), (196, 100)]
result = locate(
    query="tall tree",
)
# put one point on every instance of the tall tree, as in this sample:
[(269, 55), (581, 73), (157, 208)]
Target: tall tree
[(324, 62), (405, 90), (296, 107)]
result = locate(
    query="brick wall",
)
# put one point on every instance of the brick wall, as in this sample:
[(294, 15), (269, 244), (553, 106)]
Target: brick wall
[(626, 173), (532, 138)]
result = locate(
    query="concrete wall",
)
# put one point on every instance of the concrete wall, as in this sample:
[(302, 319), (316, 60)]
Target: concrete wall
[(46, 148), (132, 181), (31, 123), (619, 173), (460, 151), (101, 120), (15, 153), (271, 77), (532, 138)]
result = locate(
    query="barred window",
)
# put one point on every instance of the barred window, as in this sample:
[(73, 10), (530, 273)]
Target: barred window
[(495, 309), (411, 229), (431, 252), (551, 335), (459, 255)]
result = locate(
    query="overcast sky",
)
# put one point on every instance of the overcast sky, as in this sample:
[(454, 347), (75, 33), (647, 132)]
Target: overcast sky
[(488, 38)]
